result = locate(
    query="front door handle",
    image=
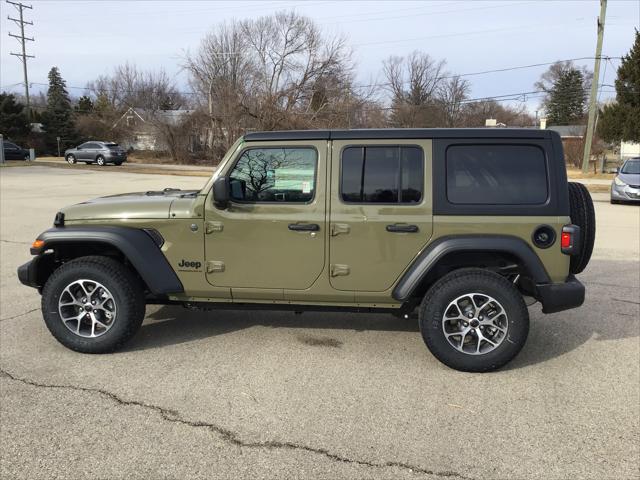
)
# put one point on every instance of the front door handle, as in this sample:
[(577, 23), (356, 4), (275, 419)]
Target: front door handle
[(402, 228), (304, 227)]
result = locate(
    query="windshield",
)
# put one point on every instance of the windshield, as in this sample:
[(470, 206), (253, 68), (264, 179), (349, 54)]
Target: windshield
[(632, 167)]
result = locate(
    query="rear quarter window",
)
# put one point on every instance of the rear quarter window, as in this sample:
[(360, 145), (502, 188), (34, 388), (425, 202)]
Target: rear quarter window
[(496, 174)]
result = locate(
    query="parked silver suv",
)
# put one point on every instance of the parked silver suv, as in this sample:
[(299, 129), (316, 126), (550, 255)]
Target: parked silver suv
[(96, 152), (626, 184)]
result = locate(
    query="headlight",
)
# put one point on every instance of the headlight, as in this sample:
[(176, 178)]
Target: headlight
[(619, 182)]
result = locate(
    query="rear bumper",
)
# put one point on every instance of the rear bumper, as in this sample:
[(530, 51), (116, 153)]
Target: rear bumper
[(556, 297)]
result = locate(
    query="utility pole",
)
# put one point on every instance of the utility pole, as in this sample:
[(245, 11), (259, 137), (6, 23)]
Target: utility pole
[(23, 40), (594, 89)]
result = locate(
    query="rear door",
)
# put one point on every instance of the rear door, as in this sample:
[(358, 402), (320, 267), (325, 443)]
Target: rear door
[(380, 212)]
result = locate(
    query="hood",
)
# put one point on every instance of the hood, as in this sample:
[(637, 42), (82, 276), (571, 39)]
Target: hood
[(152, 205), (629, 178)]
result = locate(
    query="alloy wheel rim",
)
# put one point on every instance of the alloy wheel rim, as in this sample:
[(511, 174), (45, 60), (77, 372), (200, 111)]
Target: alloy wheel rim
[(87, 308), (70, 159), (475, 323)]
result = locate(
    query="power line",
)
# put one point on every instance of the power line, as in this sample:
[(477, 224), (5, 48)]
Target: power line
[(21, 22), (377, 84)]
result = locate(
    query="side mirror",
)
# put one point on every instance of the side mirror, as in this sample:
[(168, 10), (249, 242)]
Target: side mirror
[(78, 148), (221, 193), (617, 169)]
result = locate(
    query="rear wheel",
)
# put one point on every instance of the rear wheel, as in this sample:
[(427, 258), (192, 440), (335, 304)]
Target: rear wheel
[(583, 215), (93, 304), (474, 320), (100, 160), (71, 159), (118, 164)]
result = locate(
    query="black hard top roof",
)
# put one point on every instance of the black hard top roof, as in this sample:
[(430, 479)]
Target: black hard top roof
[(398, 133)]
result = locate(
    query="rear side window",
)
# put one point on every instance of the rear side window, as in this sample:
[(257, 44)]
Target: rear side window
[(382, 174), (496, 175), (274, 175)]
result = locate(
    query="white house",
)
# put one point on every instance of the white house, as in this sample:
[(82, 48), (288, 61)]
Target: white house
[(629, 149), (142, 134)]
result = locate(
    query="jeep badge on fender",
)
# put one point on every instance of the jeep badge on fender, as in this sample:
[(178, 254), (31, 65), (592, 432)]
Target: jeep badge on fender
[(192, 265), (456, 225)]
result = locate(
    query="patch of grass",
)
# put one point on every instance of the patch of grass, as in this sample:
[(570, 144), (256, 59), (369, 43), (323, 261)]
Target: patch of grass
[(16, 163), (576, 173)]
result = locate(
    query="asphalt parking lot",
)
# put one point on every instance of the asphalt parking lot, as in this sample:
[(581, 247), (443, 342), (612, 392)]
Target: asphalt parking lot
[(275, 395)]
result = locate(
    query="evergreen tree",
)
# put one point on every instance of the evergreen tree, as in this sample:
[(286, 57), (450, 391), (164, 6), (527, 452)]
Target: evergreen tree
[(14, 124), (621, 120), (57, 118), (567, 99), (85, 105), (102, 105)]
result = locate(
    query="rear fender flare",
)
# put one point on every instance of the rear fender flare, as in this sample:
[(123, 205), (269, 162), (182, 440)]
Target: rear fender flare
[(443, 246)]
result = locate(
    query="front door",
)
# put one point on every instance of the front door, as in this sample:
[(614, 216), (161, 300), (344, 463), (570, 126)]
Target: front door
[(272, 234), (381, 211), (85, 151)]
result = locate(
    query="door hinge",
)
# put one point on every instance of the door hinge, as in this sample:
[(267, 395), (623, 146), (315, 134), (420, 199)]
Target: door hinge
[(338, 270), (338, 228), (215, 266), (210, 227)]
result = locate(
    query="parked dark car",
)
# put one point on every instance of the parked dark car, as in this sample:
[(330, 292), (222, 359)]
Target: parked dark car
[(96, 152), (14, 152), (626, 184)]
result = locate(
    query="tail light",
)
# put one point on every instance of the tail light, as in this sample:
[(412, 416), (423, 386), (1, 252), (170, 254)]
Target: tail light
[(570, 239)]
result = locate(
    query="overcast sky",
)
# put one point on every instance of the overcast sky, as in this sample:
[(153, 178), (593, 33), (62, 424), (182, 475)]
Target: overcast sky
[(87, 38)]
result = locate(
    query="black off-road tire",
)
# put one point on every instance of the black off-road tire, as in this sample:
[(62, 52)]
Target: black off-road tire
[(583, 215), (121, 282), (462, 282)]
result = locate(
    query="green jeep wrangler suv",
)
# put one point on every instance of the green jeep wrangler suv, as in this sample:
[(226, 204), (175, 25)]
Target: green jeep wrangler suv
[(462, 226)]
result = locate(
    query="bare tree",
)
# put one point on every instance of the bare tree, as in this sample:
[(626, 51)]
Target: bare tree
[(278, 71), (414, 83), (452, 94), (129, 86)]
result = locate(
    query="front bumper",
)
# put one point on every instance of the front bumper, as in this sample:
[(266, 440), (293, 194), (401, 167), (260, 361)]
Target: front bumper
[(625, 193), (27, 274), (556, 297), (34, 272)]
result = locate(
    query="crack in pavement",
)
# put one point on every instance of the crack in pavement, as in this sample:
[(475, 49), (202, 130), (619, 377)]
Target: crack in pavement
[(625, 301), (233, 438), (19, 315), (15, 242)]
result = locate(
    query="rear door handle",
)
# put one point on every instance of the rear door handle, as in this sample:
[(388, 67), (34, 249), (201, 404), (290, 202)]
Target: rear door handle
[(304, 227), (402, 228)]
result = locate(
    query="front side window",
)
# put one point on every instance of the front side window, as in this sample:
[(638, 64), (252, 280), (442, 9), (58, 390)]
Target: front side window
[(382, 174), (274, 175), (496, 175)]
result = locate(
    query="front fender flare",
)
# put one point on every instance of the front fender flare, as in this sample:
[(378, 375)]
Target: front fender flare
[(139, 247), (429, 258)]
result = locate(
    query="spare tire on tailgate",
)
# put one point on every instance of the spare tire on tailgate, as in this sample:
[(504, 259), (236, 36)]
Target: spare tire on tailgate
[(583, 215)]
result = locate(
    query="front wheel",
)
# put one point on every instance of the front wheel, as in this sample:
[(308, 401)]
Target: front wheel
[(474, 320), (93, 304), (100, 161), (71, 159)]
